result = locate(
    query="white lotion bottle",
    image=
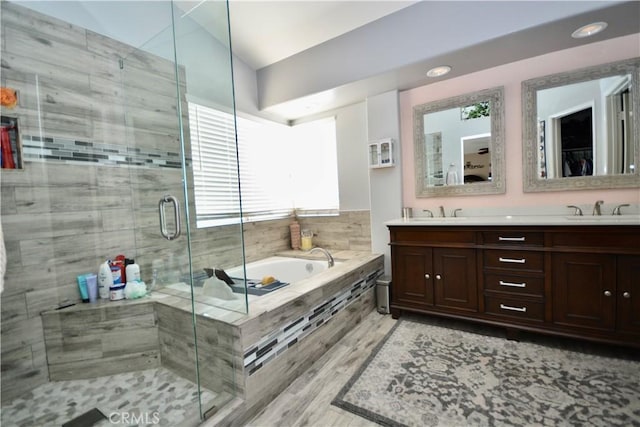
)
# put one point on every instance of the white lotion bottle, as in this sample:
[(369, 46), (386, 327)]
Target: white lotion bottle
[(105, 279), (133, 272)]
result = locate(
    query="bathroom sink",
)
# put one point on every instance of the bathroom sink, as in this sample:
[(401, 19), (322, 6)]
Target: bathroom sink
[(605, 218), (437, 218)]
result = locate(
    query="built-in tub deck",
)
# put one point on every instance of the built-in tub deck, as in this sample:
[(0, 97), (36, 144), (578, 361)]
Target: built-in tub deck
[(232, 311), (240, 354)]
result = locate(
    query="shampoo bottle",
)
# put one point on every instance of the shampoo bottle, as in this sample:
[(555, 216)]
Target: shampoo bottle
[(105, 279)]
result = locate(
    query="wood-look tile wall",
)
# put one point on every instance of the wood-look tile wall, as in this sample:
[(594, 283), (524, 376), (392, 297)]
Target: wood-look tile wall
[(61, 219), (351, 230)]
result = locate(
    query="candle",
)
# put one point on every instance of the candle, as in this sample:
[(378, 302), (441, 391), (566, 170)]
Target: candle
[(307, 240)]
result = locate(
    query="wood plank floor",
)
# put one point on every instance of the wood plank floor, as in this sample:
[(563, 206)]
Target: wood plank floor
[(307, 401)]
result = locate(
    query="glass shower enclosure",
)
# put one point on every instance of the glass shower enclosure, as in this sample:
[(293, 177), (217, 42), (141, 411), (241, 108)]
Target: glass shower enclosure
[(106, 169)]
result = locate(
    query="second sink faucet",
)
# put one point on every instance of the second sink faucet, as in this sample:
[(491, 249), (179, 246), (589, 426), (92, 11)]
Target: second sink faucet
[(616, 210), (596, 208)]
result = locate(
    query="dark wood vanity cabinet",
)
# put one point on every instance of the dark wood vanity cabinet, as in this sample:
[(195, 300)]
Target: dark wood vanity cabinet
[(435, 278), (584, 294), (575, 281), (628, 294)]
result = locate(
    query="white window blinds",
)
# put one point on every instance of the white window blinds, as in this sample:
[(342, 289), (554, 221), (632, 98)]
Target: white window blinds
[(281, 168)]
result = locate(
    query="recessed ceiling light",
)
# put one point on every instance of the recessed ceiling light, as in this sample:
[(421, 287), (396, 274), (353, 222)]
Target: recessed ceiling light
[(589, 30), (438, 71)]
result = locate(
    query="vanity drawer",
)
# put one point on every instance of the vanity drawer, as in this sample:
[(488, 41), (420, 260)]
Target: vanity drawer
[(508, 237), (514, 284), (514, 308), (514, 260)]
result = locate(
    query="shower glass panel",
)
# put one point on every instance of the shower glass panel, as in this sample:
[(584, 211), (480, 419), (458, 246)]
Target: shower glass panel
[(105, 147), (187, 63)]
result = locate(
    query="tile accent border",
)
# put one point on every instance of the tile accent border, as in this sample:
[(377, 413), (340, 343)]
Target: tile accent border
[(289, 334), (38, 149)]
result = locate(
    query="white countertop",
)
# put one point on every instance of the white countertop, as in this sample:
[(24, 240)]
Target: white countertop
[(520, 220)]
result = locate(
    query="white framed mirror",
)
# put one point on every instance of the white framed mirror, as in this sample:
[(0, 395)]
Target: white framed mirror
[(459, 145), (580, 130)]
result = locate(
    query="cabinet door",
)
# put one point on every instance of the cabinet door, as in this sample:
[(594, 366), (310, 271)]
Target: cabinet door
[(455, 281), (628, 293), (412, 284), (584, 290)]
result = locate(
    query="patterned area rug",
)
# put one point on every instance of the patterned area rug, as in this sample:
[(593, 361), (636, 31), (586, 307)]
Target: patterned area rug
[(428, 375)]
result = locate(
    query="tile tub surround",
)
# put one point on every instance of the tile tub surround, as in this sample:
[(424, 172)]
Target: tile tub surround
[(271, 314)]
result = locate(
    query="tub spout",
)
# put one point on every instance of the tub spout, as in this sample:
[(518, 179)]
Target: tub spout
[(326, 253)]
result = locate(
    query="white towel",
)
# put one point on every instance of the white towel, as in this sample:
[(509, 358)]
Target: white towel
[(214, 287)]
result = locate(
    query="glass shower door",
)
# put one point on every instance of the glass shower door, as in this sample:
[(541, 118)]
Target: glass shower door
[(188, 63)]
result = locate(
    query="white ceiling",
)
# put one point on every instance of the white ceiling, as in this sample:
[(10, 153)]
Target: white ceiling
[(312, 56), (264, 32)]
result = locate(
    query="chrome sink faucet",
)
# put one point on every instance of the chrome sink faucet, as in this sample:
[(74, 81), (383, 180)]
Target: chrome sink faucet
[(577, 212), (616, 210), (455, 212), (596, 208), (326, 253), (428, 212), (442, 211)]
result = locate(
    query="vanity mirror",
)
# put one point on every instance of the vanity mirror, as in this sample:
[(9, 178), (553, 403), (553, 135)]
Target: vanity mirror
[(459, 145), (579, 130)]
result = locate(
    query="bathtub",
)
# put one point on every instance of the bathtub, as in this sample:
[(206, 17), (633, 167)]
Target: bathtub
[(284, 269)]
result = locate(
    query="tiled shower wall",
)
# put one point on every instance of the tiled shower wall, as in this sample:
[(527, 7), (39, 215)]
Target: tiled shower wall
[(101, 147)]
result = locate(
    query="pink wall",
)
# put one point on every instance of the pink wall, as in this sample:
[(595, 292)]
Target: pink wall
[(511, 76)]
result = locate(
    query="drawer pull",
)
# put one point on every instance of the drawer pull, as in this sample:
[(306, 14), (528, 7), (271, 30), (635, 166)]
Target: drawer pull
[(513, 285), (511, 239), (513, 260), (508, 307)]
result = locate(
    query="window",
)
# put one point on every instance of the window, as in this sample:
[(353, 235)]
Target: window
[(281, 168)]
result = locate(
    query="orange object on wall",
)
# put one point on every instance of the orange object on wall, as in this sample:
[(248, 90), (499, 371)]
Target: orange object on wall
[(8, 97)]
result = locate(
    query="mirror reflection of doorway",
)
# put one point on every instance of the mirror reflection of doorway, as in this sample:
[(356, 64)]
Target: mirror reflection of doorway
[(576, 141), (476, 159), (619, 113)]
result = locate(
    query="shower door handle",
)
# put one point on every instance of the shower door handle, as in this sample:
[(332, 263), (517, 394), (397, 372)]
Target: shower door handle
[(163, 222)]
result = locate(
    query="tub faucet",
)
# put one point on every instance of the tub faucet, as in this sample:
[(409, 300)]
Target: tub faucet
[(442, 211), (596, 208), (326, 253)]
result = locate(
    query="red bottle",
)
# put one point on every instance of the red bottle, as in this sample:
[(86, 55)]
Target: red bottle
[(119, 262)]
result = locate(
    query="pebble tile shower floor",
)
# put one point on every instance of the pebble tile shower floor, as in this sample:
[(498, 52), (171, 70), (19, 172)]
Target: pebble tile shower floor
[(152, 392)]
